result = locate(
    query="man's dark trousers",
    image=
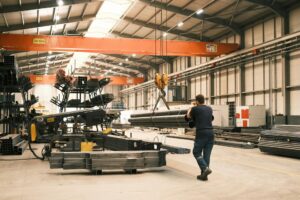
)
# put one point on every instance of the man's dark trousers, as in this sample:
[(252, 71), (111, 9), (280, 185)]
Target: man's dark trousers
[(203, 145)]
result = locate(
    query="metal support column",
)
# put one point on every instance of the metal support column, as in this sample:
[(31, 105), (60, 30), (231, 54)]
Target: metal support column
[(242, 85), (145, 99), (285, 63), (135, 101), (211, 88)]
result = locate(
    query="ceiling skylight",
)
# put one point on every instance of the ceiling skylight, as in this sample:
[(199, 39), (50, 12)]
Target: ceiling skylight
[(107, 18)]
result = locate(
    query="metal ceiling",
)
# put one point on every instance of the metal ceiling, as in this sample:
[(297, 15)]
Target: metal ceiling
[(146, 19)]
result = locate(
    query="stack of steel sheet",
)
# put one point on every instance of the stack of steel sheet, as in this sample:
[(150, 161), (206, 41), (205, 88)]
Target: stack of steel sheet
[(12, 144), (161, 119), (108, 160), (281, 140), (124, 144)]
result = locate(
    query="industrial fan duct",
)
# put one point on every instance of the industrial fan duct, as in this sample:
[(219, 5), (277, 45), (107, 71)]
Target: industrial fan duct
[(161, 119)]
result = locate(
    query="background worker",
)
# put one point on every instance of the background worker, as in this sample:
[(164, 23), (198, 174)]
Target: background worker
[(201, 116)]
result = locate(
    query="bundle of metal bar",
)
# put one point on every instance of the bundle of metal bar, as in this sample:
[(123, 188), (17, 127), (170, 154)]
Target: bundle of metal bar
[(20, 147), (108, 160), (176, 150), (161, 119), (283, 141), (8, 143)]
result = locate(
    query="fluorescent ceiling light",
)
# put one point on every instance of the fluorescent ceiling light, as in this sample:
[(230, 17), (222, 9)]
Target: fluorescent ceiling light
[(133, 55), (126, 59), (198, 12), (165, 34), (60, 3), (120, 63), (180, 24)]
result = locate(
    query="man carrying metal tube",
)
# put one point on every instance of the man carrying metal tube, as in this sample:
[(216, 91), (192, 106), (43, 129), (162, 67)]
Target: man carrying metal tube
[(201, 117)]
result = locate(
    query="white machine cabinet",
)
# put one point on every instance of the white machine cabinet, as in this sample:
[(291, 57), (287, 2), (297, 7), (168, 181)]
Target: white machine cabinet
[(250, 116)]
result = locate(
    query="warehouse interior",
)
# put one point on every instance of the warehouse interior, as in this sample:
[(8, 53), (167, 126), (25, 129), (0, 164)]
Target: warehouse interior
[(95, 98)]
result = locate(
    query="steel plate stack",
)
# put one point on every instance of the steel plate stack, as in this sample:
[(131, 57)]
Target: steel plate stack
[(161, 119), (282, 140), (108, 160)]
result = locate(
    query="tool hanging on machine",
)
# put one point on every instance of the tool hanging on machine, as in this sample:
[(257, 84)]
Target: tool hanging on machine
[(161, 81)]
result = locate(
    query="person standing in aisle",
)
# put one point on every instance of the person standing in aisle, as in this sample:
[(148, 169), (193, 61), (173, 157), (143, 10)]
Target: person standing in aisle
[(201, 117)]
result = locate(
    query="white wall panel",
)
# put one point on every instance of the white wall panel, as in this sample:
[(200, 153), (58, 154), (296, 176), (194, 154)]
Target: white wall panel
[(294, 20), (223, 82), (259, 99), (279, 106), (269, 32), (267, 75), (258, 75), (278, 73), (249, 100), (231, 81), (248, 38), (295, 68), (216, 84), (193, 88), (198, 89), (258, 34), (223, 101), (278, 27), (295, 108), (203, 85), (248, 77)]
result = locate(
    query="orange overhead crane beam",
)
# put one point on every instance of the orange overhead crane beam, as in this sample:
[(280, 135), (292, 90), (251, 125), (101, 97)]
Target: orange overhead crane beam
[(115, 80), (17, 42)]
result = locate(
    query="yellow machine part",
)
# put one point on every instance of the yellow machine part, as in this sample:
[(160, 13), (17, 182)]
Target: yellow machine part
[(107, 131), (164, 80), (51, 119), (33, 133), (157, 81), (87, 146)]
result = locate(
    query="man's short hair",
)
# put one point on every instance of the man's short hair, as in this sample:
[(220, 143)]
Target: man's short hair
[(200, 98)]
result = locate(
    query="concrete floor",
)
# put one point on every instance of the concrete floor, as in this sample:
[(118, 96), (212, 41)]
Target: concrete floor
[(237, 174)]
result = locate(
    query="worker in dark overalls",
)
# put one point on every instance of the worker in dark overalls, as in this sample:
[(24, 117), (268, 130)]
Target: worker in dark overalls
[(201, 117)]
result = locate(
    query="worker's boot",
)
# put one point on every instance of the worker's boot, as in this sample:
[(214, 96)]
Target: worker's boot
[(204, 174)]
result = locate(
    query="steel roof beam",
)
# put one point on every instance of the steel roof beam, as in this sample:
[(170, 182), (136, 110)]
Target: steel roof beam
[(45, 60), (57, 61), (205, 17), (165, 29), (164, 58), (37, 56), (51, 66), (276, 7), (41, 5), (110, 61), (45, 23), (137, 60), (110, 67)]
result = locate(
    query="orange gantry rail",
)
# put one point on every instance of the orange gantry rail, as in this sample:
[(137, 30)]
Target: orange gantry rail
[(17, 42)]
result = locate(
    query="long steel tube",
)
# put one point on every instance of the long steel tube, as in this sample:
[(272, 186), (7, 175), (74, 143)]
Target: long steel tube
[(161, 119)]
